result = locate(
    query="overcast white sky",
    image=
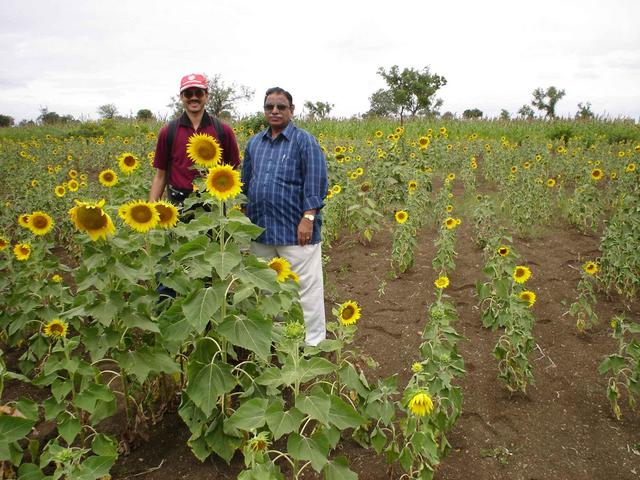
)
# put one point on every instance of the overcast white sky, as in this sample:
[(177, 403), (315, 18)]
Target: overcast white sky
[(72, 56)]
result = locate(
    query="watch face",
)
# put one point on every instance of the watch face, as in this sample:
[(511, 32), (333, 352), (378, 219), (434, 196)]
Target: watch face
[(308, 216)]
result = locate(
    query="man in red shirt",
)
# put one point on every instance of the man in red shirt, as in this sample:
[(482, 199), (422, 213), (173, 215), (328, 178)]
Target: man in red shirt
[(173, 166)]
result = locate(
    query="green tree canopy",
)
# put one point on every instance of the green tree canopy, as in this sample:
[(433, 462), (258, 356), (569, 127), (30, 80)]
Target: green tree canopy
[(472, 113), (6, 121), (108, 110), (409, 91), (546, 100), (144, 114), (318, 110)]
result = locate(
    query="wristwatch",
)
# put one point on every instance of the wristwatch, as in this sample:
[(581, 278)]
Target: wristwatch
[(310, 216)]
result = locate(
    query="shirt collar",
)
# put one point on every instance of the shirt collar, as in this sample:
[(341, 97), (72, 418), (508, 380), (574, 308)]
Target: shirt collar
[(185, 122), (286, 133)]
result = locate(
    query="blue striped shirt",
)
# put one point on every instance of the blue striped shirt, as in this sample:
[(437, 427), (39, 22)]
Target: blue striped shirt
[(282, 178)]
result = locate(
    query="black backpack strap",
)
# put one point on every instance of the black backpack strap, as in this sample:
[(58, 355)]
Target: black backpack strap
[(172, 129), (219, 129)]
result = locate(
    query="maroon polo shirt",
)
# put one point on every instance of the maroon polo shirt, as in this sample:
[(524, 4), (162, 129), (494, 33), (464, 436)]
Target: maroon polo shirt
[(182, 174)]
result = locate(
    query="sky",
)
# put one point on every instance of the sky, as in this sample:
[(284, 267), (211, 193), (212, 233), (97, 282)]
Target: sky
[(73, 56)]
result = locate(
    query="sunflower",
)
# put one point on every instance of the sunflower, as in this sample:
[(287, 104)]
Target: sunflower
[(40, 223), (450, 223), (631, 167), (528, 296), (22, 251), (423, 142), (378, 134), (421, 403), (551, 182), (473, 165), (449, 208), (281, 266), (503, 250), (59, 191), (336, 189), (353, 175), (590, 268), (514, 169), (35, 183), (139, 215), (613, 175), (72, 173), (4, 243), (204, 150), (417, 367), (73, 185), (23, 220), (597, 174), (526, 165), (521, 274), (91, 219), (128, 162), (401, 216), (349, 313), (168, 214), (293, 276), (56, 278), (412, 186), (365, 187), (359, 171), (55, 328), (108, 177), (441, 282), (443, 130), (451, 177), (223, 182)]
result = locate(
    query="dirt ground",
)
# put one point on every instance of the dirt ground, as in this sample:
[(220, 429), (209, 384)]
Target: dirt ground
[(562, 428)]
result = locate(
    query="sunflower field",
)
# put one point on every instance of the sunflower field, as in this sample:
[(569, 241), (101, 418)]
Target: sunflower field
[(116, 311)]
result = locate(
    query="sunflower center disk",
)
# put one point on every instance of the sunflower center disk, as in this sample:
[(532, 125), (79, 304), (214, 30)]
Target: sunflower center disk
[(91, 218)]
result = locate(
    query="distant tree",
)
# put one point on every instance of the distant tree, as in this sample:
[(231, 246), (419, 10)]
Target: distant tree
[(409, 91), (108, 110), (584, 112), (48, 118), (144, 114), (526, 112), (26, 123), (318, 110), (448, 116), (546, 100), (505, 115), (473, 113), (6, 121), (223, 99)]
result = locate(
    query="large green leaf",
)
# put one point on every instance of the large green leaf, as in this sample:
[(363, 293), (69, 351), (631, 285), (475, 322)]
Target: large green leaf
[(343, 415), (250, 415), (68, 427), (338, 469), (208, 384), (220, 442), (29, 471), (225, 261), (14, 428), (316, 404), (200, 307), (190, 249), (280, 422), (94, 467), (258, 274), (304, 448), (252, 332), (144, 361), (89, 396)]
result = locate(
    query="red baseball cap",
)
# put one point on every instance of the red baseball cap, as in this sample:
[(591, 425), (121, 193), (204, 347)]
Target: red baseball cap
[(196, 80)]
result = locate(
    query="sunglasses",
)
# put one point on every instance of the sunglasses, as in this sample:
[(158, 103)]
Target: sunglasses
[(193, 92), (269, 107)]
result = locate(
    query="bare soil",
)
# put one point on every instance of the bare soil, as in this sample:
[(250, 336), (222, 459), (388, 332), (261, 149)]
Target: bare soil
[(563, 428)]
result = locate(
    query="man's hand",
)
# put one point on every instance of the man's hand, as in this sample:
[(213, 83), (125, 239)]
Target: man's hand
[(305, 231)]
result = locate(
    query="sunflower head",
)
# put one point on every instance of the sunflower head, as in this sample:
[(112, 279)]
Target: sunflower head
[(223, 182), (630, 168), (551, 182), (412, 185), (60, 191), (378, 134), (4, 243), (336, 189), (23, 220), (168, 214), (22, 251), (139, 215), (441, 282), (55, 329), (421, 404), (450, 223), (503, 250), (401, 216), (73, 185), (204, 150), (348, 313), (521, 274), (40, 223), (597, 174), (108, 178), (128, 163), (91, 219), (417, 367), (591, 268), (528, 296), (281, 266)]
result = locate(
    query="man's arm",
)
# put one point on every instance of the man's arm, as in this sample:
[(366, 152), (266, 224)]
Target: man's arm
[(158, 185)]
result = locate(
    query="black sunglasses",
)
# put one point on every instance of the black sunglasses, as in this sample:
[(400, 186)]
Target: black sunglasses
[(268, 107), (193, 92)]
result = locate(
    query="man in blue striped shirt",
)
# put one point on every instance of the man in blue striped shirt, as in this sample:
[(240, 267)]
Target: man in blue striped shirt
[(284, 176)]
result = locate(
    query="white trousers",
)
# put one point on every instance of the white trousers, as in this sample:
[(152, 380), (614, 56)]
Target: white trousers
[(306, 262)]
